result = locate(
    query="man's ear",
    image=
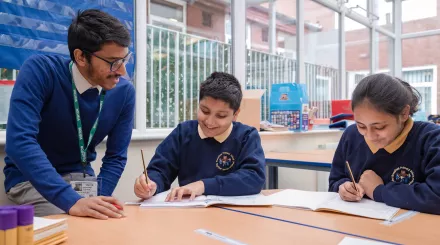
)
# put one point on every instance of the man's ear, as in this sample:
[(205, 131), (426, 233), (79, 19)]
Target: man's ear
[(80, 58), (236, 115)]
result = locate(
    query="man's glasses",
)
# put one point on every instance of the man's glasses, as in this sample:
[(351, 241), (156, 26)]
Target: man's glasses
[(114, 65)]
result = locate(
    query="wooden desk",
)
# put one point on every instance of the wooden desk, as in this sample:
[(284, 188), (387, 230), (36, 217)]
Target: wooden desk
[(318, 160), (419, 229), (177, 226)]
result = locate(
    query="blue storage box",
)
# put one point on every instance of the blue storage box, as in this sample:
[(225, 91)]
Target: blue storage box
[(289, 106)]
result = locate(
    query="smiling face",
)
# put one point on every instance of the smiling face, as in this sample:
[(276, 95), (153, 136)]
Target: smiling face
[(378, 127), (97, 71), (215, 116)]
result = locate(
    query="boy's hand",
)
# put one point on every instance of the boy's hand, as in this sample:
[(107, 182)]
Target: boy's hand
[(369, 181), (349, 194), (100, 207), (194, 189), (144, 190)]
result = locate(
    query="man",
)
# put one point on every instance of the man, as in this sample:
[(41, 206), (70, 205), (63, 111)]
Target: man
[(60, 110)]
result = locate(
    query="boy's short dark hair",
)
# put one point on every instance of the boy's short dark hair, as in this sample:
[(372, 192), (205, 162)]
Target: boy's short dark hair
[(222, 86), (93, 28)]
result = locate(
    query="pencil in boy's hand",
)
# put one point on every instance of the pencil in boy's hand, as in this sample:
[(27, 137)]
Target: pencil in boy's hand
[(351, 175), (145, 169)]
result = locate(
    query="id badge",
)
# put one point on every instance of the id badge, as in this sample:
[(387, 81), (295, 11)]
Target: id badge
[(85, 188)]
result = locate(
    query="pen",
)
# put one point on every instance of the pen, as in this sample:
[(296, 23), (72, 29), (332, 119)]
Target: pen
[(117, 206), (351, 175)]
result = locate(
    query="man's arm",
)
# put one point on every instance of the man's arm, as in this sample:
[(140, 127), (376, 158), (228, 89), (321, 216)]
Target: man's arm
[(113, 163), (32, 87)]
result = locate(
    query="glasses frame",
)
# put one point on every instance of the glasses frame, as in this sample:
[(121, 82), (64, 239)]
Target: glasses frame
[(113, 68)]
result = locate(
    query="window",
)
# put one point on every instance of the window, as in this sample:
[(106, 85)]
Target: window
[(7, 74), (169, 14), (181, 53), (420, 61), (7, 81), (357, 53), (6, 87), (423, 80), (206, 19), (419, 15), (264, 35), (322, 94), (321, 46), (167, 10), (264, 67)]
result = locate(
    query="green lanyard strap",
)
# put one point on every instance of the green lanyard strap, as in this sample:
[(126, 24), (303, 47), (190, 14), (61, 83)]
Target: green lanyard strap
[(83, 150)]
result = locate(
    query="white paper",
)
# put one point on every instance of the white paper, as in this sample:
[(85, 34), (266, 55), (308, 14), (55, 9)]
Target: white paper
[(41, 223), (204, 201), (158, 201), (332, 201), (365, 207), (301, 199), (249, 200), (51, 232), (357, 241), (133, 203)]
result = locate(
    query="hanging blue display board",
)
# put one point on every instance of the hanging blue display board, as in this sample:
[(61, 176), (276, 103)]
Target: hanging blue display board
[(29, 27)]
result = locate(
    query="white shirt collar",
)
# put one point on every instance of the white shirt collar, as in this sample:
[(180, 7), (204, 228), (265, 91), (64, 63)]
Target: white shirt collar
[(80, 82), (220, 138)]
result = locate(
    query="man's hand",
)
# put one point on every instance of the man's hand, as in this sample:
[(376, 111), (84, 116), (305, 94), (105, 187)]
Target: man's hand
[(100, 207)]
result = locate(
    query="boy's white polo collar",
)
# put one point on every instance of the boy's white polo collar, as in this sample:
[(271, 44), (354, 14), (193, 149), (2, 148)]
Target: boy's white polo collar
[(220, 138), (80, 82)]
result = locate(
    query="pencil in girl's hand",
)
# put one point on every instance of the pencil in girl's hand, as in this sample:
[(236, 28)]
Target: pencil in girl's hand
[(145, 169), (351, 175)]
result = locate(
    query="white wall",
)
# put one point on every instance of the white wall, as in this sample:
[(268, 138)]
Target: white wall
[(285, 141)]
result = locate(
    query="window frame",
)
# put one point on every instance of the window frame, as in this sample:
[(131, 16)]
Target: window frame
[(181, 25), (432, 84)]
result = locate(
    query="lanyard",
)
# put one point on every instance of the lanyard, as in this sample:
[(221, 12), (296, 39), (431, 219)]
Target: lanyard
[(83, 150)]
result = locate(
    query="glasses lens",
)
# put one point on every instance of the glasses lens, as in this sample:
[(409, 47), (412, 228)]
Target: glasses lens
[(118, 63)]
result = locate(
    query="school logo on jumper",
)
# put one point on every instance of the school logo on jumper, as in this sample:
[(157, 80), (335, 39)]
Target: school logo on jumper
[(403, 175), (225, 161)]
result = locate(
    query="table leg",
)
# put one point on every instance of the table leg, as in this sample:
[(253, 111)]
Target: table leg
[(273, 177)]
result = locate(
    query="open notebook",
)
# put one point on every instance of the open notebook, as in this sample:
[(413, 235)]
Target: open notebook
[(49, 231), (330, 201), (158, 201)]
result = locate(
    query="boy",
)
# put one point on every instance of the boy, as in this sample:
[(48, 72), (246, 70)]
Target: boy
[(211, 156)]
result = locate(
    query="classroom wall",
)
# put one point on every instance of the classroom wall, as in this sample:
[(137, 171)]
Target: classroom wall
[(284, 141)]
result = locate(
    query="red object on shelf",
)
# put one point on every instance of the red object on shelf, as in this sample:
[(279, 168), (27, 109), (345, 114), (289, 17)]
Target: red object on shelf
[(7, 82), (341, 107)]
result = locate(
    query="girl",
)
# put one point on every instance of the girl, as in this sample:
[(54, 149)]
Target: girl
[(394, 160)]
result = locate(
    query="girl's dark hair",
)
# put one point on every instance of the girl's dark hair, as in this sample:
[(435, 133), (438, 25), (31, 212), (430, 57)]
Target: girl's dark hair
[(386, 93)]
